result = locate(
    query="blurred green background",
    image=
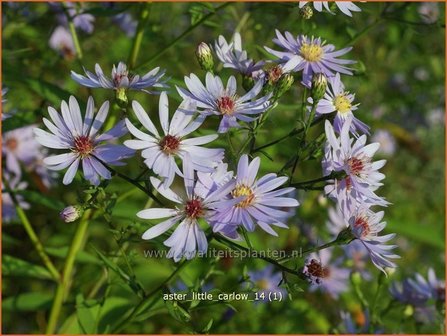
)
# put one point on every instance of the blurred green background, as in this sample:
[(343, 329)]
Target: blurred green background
[(399, 83)]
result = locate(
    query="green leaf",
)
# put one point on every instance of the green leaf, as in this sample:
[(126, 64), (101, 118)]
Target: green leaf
[(12, 266), (28, 302), (86, 314), (130, 280), (54, 94), (39, 198)]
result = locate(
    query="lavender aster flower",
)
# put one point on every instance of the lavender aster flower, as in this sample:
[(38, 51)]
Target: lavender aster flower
[(336, 99), (261, 202), (215, 99), (62, 42), (160, 151), (322, 274), (8, 207), (81, 20), (188, 239), (126, 22), (121, 79), (267, 283), (346, 7), (313, 55), (356, 253), (355, 160), (82, 141), (366, 226), (232, 56), (19, 146)]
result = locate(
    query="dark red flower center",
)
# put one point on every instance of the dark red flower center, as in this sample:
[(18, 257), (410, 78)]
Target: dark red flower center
[(83, 145), (169, 144), (194, 208), (356, 165), (362, 224), (314, 268), (274, 74), (226, 105), (12, 143)]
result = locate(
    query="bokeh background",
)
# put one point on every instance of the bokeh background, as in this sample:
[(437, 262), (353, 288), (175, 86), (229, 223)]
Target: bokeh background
[(399, 83)]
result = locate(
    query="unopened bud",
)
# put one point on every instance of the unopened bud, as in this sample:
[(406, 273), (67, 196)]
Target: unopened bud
[(71, 213), (283, 85), (306, 12), (205, 57), (319, 85), (356, 278), (121, 98)]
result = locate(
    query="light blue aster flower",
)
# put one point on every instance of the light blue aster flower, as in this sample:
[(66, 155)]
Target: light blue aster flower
[(263, 203), (82, 140), (218, 100), (313, 55), (233, 56), (188, 239), (121, 79)]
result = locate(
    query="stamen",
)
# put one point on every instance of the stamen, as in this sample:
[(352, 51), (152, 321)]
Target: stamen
[(169, 144), (243, 190)]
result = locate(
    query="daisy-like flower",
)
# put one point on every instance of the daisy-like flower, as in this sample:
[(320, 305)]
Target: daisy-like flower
[(188, 239), (215, 99), (365, 226), (267, 282), (262, 202), (312, 55), (160, 151), (346, 7), (355, 252), (20, 146), (121, 79), (324, 275), (354, 159), (233, 56), (62, 42), (126, 22), (82, 141), (336, 99)]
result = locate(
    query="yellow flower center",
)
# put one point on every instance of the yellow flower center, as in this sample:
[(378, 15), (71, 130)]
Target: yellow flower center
[(342, 104), (262, 284), (243, 190), (311, 52)]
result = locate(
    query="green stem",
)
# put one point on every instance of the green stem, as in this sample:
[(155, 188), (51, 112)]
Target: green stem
[(320, 179), (136, 44), (74, 34), (64, 285), (32, 234), (292, 133), (185, 33), (131, 181)]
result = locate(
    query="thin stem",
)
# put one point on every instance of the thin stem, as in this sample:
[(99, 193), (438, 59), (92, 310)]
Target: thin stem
[(136, 44), (74, 34), (64, 285), (292, 133), (320, 179), (131, 181), (185, 33), (32, 234), (272, 261)]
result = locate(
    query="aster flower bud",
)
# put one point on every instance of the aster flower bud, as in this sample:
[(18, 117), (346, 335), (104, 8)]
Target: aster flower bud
[(283, 85), (345, 236), (71, 213), (121, 97), (319, 85), (205, 57), (306, 12)]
